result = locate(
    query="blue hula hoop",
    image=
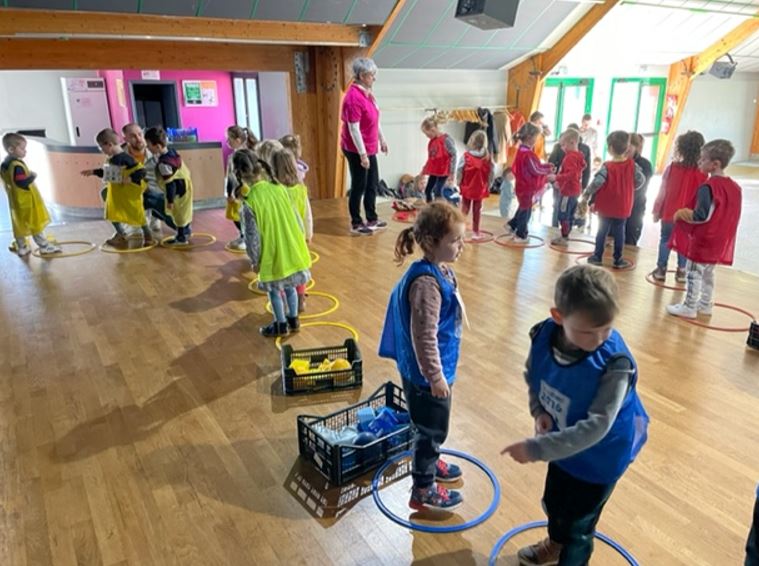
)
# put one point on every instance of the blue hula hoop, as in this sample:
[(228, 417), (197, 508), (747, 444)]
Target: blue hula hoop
[(428, 528), (536, 524)]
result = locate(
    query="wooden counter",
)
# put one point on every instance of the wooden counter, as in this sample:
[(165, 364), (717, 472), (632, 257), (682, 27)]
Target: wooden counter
[(62, 186)]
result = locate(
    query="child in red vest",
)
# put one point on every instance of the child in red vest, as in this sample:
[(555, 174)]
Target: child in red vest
[(681, 179), (705, 229), (569, 181), (475, 175), (611, 192), (530, 178), (441, 158)]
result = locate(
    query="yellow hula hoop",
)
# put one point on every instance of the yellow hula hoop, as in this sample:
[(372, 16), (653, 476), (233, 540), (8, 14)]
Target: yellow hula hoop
[(330, 310), (88, 249), (348, 327), (314, 256), (108, 249), (253, 286), (191, 246), (232, 250)]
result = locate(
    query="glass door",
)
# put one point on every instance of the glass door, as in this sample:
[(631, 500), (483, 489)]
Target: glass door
[(563, 102), (247, 109), (636, 105)]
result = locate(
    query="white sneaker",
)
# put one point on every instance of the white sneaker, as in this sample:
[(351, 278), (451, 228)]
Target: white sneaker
[(518, 240), (238, 244), (478, 236), (156, 225), (509, 231), (49, 249), (681, 310), (23, 250), (705, 310)]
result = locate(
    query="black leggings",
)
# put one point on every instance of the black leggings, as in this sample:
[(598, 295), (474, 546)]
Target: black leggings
[(364, 183), (434, 188)]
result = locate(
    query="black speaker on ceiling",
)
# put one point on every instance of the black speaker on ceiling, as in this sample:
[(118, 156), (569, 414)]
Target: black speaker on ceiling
[(488, 14)]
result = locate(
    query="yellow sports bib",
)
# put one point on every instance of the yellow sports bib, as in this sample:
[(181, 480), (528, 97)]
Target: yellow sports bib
[(28, 213), (123, 201)]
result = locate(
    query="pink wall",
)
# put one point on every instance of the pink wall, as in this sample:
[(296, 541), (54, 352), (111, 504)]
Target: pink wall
[(211, 121), (119, 112)]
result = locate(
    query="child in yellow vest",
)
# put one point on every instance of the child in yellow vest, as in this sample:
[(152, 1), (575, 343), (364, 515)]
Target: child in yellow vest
[(28, 213), (292, 142), (237, 138), (173, 177), (274, 239), (125, 183), (286, 172)]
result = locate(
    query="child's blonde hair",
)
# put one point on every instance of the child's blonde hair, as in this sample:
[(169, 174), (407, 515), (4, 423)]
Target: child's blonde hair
[(12, 140), (478, 141), (284, 167), (266, 149), (249, 167), (292, 142), (570, 135), (430, 122), (432, 224)]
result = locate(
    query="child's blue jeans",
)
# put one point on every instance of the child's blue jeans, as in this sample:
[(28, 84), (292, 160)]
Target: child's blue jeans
[(278, 304), (666, 232)]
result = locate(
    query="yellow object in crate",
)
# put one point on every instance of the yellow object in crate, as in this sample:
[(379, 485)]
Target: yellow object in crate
[(302, 367)]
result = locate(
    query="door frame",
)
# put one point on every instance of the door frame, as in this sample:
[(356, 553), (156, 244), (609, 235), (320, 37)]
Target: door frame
[(642, 81), (133, 101), (561, 83)]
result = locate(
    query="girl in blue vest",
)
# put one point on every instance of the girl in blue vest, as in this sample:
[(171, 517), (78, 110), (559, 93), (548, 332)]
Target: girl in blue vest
[(589, 421), (422, 333)]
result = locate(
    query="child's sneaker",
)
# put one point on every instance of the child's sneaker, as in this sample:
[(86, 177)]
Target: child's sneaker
[(23, 250), (705, 310), (434, 497), (148, 239), (445, 472), (518, 240), (680, 276), (237, 244), (274, 329), (622, 263), (177, 243), (544, 553), (374, 225), (509, 230), (593, 260), (478, 236), (118, 241), (361, 230), (561, 242), (659, 274), (49, 249), (293, 323), (681, 310)]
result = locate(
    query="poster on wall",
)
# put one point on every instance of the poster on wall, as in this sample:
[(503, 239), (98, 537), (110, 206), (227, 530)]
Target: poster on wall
[(200, 93), (670, 109)]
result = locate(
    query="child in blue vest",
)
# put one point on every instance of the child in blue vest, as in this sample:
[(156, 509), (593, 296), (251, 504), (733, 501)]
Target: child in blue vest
[(422, 333), (589, 421)]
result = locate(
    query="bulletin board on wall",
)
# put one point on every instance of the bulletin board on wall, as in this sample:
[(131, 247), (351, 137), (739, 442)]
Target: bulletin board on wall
[(200, 93)]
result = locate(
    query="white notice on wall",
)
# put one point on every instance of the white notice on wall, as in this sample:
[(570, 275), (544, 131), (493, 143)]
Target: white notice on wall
[(151, 75)]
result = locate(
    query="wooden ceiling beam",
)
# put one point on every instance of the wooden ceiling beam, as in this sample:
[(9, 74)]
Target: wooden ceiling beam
[(52, 24), (683, 72)]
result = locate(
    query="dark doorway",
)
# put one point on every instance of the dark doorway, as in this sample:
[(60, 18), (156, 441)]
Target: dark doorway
[(155, 103)]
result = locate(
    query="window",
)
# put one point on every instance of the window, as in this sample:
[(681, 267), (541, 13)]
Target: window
[(247, 109)]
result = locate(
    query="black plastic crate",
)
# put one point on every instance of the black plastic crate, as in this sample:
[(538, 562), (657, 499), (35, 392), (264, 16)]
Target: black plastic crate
[(340, 464), (324, 380)]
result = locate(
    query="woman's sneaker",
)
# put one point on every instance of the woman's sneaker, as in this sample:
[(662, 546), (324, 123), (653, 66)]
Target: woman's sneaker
[(361, 230), (374, 225), (445, 472), (434, 497), (544, 553)]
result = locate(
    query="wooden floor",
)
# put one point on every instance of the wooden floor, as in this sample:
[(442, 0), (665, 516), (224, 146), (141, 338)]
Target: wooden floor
[(143, 423)]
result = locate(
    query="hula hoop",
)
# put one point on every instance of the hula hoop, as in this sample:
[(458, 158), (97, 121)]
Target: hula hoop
[(520, 246), (624, 553), (314, 256), (111, 250), (88, 249), (490, 237), (562, 250), (253, 287), (447, 528), (348, 327), (655, 283), (330, 310), (722, 328), (233, 250), (191, 246), (404, 216), (632, 265)]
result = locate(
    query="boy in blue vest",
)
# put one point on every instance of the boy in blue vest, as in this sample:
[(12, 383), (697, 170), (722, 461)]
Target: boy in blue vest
[(589, 422)]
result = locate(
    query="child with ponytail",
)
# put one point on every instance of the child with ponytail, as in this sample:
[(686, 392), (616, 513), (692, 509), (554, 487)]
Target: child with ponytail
[(422, 333), (237, 138), (274, 239), (475, 175)]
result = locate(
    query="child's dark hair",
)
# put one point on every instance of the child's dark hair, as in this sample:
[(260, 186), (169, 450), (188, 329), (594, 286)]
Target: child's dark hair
[(432, 224), (536, 116), (157, 136), (11, 140), (292, 142), (284, 167), (688, 148), (244, 134), (589, 290), (248, 166), (526, 132), (107, 135), (618, 142), (719, 150)]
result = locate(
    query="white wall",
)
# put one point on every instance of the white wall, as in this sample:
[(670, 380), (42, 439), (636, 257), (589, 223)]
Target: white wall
[(274, 95), (403, 94), (34, 99), (723, 109)]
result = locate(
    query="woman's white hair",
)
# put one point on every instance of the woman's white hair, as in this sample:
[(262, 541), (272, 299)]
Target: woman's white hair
[(363, 65)]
